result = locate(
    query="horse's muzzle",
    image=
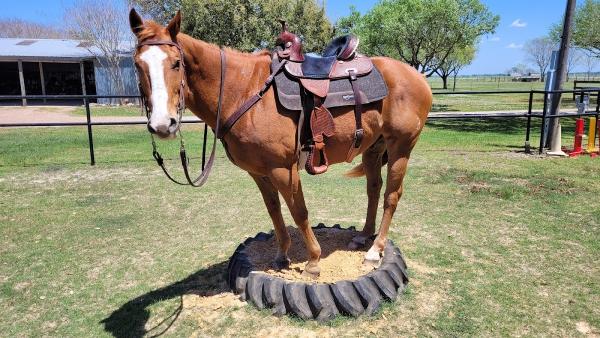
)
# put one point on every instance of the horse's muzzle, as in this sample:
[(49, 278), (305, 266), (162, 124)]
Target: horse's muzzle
[(164, 131)]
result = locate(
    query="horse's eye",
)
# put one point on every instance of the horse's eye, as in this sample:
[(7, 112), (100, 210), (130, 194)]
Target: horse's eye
[(176, 64)]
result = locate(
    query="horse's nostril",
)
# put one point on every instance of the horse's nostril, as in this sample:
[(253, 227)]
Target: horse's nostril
[(150, 129), (173, 122)]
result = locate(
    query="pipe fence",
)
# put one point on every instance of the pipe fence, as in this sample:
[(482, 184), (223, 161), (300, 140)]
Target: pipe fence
[(544, 115)]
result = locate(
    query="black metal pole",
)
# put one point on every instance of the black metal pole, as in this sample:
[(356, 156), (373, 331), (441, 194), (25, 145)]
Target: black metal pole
[(543, 130), (89, 130), (561, 70), (527, 143)]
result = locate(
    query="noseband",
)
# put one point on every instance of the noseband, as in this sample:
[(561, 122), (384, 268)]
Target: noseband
[(206, 165)]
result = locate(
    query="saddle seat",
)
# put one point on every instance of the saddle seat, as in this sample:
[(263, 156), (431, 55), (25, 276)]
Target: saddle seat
[(342, 48)]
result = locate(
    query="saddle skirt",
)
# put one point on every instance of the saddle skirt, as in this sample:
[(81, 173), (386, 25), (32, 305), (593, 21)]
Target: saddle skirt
[(289, 85)]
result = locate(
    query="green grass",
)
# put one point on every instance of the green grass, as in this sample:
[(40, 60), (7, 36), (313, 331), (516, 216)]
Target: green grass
[(498, 243), (100, 110)]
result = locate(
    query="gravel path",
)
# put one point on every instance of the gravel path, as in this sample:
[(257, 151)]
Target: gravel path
[(53, 114)]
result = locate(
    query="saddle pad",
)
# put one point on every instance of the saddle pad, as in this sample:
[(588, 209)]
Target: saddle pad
[(372, 88)]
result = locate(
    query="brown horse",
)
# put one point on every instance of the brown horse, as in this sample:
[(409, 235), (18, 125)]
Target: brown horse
[(263, 142)]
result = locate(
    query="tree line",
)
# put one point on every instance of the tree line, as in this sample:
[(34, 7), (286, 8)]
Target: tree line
[(434, 36)]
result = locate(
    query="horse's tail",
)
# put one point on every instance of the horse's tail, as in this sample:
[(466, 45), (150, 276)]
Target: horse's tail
[(359, 170)]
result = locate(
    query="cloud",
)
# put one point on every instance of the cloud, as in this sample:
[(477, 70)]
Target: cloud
[(518, 23), (513, 45), (494, 39)]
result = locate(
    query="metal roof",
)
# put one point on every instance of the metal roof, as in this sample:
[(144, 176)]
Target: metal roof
[(13, 49)]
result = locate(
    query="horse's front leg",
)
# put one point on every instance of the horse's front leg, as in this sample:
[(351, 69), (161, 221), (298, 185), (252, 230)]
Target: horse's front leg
[(271, 198), (287, 181)]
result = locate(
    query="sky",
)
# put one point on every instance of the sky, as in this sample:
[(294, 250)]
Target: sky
[(520, 21)]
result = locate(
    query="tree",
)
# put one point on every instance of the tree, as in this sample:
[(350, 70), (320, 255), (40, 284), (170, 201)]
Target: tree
[(17, 28), (245, 24), (160, 11), (586, 30), (539, 52), (587, 27), (575, 56), (105, 26), (590, 61), (521, 69), (345, 25), (454, 63), (422, 33)]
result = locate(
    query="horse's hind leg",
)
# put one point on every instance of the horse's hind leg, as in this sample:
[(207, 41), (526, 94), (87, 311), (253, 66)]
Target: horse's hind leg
[(398, 154), (288, 183), (271, 199), (372, 162)]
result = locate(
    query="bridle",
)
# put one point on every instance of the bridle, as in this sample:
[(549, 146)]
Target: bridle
[(219, 131), (206, 165)]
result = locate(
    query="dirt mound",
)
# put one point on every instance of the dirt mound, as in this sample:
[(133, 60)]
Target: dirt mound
[(337, 262)]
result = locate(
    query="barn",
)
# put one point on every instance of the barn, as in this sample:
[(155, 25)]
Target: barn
[(59, 67)]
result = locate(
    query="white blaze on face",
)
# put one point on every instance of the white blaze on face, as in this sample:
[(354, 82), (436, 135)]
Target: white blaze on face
[(160, 119)]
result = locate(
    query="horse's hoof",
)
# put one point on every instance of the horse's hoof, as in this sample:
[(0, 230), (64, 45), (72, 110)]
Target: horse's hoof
[(312, 271), (310, 275), (281, 264), (371, 264), (372, 258)]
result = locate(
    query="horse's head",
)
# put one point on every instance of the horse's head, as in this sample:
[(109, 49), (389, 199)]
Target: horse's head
[(159, 63)]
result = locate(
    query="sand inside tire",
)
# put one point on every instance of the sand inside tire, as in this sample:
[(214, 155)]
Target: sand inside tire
[(337, 261)]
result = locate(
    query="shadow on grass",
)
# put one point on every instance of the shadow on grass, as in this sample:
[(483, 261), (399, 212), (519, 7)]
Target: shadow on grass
[(437, 107), (131, 318), (515, 126), (53, 165)]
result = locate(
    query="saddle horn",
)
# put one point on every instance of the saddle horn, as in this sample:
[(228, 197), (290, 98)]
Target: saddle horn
[(290, 44)]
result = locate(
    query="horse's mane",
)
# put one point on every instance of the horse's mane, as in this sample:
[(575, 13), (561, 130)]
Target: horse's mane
[(151, 29)]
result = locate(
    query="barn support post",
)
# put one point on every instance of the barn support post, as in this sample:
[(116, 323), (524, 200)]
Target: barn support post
[(22, 82), (83, 89), (42, 81)]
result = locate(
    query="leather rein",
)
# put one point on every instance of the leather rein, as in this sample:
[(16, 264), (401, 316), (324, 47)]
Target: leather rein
[(219, 132), (185, 161)]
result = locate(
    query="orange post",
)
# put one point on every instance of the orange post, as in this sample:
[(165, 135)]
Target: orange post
[(579, 133)]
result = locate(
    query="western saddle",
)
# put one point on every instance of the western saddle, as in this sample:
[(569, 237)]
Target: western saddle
[(339, 60)]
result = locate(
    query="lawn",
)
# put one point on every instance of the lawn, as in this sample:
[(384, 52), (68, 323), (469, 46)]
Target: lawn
[(106, 110), (497, 242)]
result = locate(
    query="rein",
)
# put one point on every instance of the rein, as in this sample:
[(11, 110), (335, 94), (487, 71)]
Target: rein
[(185, 161), (219, 132)]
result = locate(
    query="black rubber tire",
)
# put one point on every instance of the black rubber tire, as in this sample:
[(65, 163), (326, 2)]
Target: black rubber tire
[(318, 301)]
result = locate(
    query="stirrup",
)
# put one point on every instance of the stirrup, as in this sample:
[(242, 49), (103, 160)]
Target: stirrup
[(358, 137), (322, 166)]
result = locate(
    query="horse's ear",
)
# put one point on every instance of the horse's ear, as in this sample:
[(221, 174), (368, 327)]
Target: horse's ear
[(135, 22), (174, 26)]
